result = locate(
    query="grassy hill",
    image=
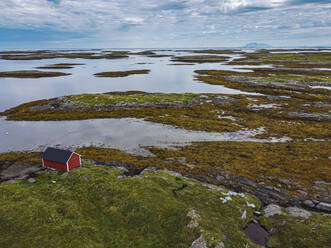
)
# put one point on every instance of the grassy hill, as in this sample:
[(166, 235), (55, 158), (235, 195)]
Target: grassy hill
[(98, 206)]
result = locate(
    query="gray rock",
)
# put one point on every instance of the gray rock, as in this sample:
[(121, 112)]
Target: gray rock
[(199, 243), (257, 233), (220, 245), (298, 212), (16, 170), (31, 180), (303, 193), (310, 116), (309, 203), (193, 214), (193, 223), (324, 206), (266, 192), (245, 181), (257, 213), (244, 215), (272, 210), (220, 178), (278, 190), (322, 182), (194, 218)]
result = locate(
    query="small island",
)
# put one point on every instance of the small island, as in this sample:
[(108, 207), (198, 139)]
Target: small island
[(121, 73), (31, 74)]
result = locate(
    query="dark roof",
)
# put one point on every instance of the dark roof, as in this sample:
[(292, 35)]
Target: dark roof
[(57, 155)]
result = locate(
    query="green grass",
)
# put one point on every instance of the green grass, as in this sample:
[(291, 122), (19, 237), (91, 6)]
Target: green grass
[(91, 207), (110, 99), (290, 78), (299, 232), (321, 57)]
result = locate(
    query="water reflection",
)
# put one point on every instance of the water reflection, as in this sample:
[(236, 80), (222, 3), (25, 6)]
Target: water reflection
[(127, 134)]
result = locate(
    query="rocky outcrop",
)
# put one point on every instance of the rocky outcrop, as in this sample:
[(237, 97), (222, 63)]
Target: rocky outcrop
[(195, 217), (199, 243), (16, 171), (257, 233), (272, 210), (318, 205), (298, 212)]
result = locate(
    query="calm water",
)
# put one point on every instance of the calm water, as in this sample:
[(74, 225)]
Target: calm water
[(127, 134), (162, 78)]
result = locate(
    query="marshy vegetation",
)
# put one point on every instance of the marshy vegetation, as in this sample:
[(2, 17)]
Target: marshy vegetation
[(59, 66), (121, 73), (290, 59), (199, 59), (31, 74)]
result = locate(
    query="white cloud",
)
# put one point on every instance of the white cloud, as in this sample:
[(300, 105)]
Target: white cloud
[(155, 20), (134, 20)]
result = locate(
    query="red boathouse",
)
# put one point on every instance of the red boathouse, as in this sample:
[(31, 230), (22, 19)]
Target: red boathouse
[(60, 159)]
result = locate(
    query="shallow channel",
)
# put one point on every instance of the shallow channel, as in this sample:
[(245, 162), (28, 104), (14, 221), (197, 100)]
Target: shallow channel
[(126, 134)]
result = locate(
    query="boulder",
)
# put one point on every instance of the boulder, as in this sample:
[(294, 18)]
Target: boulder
[(298, 212), (309, 203), (272, 210), (257, 234), (324, 206)]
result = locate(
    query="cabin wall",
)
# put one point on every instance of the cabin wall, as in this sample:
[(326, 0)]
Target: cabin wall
[(74, 161), (55, 165)]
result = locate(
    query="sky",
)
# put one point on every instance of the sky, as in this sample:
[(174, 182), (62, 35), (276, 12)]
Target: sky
[(163, 23)]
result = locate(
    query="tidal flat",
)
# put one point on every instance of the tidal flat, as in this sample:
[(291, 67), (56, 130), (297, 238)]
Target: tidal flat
[(199, 59), (233, 133), (121, 73), (41, 55), (31, 74)]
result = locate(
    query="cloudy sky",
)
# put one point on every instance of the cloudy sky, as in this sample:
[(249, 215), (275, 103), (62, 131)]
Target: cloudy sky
[(163, 23)]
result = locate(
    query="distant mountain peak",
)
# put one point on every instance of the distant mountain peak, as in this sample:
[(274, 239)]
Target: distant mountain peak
[(256, 45)]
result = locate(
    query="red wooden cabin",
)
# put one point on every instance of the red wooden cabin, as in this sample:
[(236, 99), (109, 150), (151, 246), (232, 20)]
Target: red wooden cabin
[(60, 159)]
